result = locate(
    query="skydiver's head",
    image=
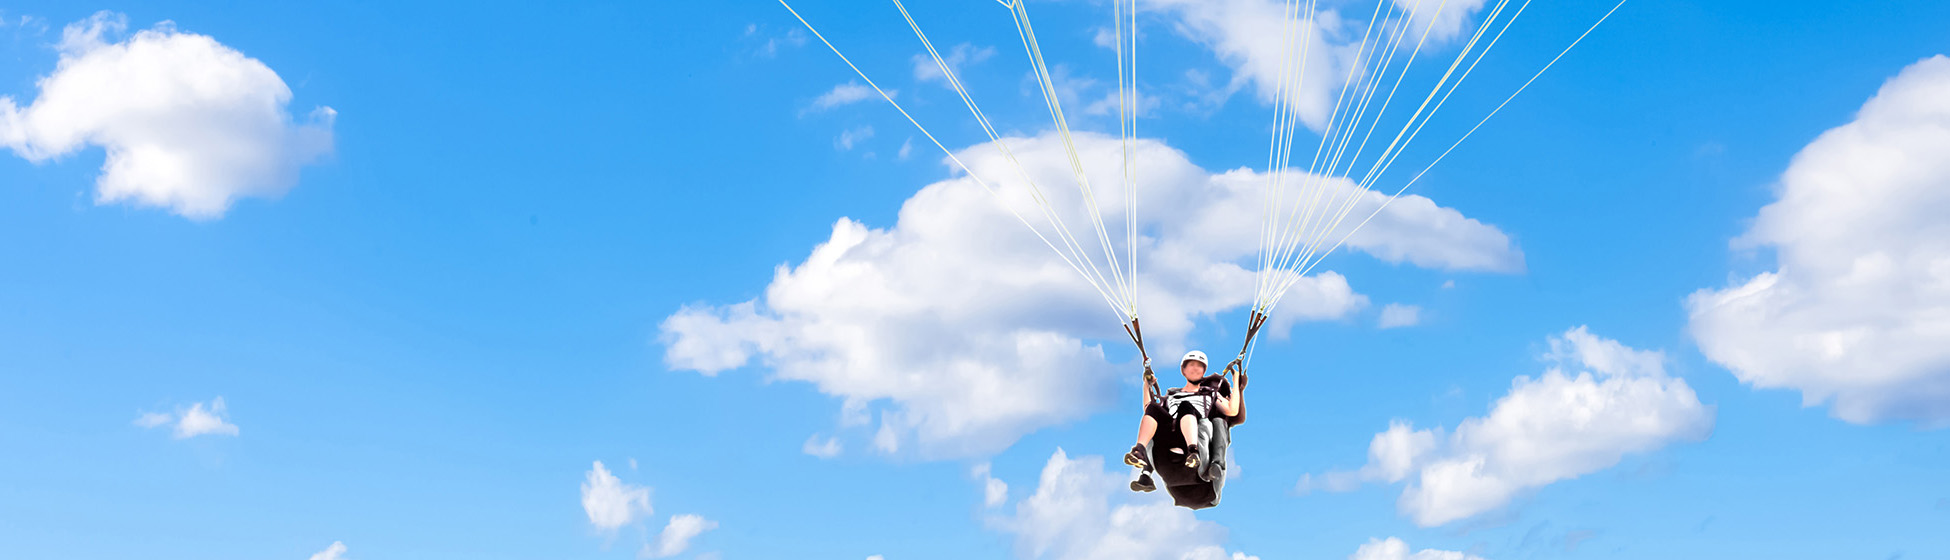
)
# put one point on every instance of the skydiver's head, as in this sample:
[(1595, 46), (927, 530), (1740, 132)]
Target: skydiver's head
[(1193, 366)]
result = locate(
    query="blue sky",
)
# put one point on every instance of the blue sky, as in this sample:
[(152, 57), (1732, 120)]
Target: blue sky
[(430, 311)]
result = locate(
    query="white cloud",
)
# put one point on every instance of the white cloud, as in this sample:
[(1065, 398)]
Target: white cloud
[(925, 68), (334, 552), (197, 420), (940, 320), (1082, 512), (1414, 230), (1398, 315), (1448, 15), (188, 124), (769, 45), (610, 502), (1247, 35), (1858, 312), (1599, 401), (677, 535), (152, 419), (995, 492), (824, 448), (907, 148), (1394, 549), (852, 136), (847, 93), (1109, 104)]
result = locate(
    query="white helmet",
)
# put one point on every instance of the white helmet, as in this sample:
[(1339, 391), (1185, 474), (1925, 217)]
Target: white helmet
[(1194, 356)]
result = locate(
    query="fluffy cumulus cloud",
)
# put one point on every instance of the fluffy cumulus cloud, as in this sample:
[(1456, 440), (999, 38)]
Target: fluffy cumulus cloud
[(197, 420), (1857, 313), (1394, 549), (1251, 37), (677, 534), (1082, 512), (610, 502), (1598, 402), (188, 124), (334, 552), (937, 324)]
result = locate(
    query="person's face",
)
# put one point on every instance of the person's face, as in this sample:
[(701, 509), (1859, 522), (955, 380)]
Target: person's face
[(1193, 370)]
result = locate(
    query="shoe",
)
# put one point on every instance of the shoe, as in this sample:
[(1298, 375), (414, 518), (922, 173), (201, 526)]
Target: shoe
[(1136, 458), (1191, 456), (1143, 483)]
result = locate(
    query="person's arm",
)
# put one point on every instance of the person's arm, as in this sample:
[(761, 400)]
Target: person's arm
[(1231, 404), (1150, 383), (1226, 406)]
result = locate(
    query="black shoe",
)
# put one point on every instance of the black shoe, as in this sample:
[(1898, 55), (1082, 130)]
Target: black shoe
[(1191, 456), (1136, 458), (1143, 483)]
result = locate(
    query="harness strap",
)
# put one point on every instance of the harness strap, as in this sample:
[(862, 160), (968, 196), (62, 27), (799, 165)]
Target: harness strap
[(1252, 330), (1136, 332)]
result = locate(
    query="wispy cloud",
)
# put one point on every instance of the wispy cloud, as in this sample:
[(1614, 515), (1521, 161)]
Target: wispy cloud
[(853, 136), (845, 94), (824, 448), (197, 420), (334, 552), (768, 45), (962, 55), (1395, 315), (676, 536), (611, 503)]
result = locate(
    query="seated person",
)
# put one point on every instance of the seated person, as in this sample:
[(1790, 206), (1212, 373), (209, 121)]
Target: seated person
[(1185, 407)]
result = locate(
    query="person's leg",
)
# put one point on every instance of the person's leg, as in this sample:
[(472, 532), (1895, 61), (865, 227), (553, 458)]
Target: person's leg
[(1188, 426), (1147, 429)]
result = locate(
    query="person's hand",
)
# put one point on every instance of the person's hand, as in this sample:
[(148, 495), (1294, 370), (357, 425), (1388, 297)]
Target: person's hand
[(1150, 382), (1242, 380)]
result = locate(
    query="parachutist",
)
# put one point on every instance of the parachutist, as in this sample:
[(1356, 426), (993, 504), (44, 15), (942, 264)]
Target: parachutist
[(1187, 411)]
